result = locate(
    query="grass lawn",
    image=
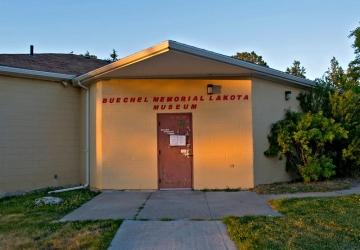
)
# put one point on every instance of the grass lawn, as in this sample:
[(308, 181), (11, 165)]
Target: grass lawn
[(23, 225), (296, 187), (308, 223)]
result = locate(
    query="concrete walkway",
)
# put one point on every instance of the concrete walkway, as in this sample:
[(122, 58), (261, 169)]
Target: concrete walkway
[(171, 205), (184, 204), (165, 235), (191, 216), (353, 190), (186, 208), (110, 205)]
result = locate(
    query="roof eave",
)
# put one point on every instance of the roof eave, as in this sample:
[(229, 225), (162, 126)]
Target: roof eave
[(176, 46), (236, 62), (136, 57), (34, 74)]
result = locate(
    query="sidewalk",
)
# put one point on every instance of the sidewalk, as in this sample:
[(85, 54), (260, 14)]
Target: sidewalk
[(165, 235), (164, 220), (175, 205), (353, 190)]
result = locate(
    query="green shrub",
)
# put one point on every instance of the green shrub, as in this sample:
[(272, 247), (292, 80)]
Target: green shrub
[(346, 110), (303, 139), (325, 139), (317, 168), (317, 99), (342, 104)]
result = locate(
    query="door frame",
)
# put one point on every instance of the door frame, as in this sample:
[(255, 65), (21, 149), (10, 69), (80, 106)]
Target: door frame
[(157, 150)]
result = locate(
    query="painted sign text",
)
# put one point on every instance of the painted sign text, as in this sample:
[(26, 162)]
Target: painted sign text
[(174, 102)]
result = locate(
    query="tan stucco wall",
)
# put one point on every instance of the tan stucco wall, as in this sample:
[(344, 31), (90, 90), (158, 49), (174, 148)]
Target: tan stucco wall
[(40, 129), (42, 133), (96, 136), (124, 137), (269, 106)]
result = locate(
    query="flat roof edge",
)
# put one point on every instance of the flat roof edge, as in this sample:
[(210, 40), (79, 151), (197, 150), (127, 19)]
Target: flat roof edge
[(29, 73)]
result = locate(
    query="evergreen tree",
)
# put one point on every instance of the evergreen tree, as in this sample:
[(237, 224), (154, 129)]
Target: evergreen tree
[(88, 55), (296, 69), (251, 57), (335, 75), (354, 66), (113, 56)]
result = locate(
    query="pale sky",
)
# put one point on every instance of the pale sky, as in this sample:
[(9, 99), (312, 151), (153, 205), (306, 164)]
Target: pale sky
[(312, 31)]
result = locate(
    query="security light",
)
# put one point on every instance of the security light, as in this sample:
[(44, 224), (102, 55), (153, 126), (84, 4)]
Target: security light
[(213, 89), (287, 95), (210, 89)]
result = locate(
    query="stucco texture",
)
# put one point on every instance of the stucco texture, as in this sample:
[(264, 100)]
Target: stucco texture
[(40, 134), (124, 143), (270, 106)]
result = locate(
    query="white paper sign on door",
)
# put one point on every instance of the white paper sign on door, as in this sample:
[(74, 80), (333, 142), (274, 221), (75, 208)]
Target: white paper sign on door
[(177, 140), (181, 140)]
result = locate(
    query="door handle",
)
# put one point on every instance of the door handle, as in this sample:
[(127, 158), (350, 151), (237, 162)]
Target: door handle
[(190, 152)]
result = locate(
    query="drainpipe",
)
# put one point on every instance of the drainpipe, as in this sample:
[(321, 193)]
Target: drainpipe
[(87, 143)]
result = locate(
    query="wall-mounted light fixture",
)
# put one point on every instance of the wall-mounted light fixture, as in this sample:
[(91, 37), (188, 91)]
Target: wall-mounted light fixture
[(287, 95), (210, 89), (213, 89)]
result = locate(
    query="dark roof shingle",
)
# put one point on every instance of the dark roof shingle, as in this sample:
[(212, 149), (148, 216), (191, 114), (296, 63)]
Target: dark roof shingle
[(53, 62)]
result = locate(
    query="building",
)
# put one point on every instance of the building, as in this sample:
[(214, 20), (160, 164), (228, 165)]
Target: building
[(170, 116)]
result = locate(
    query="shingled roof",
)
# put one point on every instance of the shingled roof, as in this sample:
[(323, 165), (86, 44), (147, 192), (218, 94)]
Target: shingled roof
[(53, 62)]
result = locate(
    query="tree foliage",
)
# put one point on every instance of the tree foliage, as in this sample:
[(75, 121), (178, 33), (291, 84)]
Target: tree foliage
[(335, 75), (251, 57), (296, 69), (346, 110), (88, 55), (317, 99), (113, 56), (303, 139), (323, 139), (354, 66)]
